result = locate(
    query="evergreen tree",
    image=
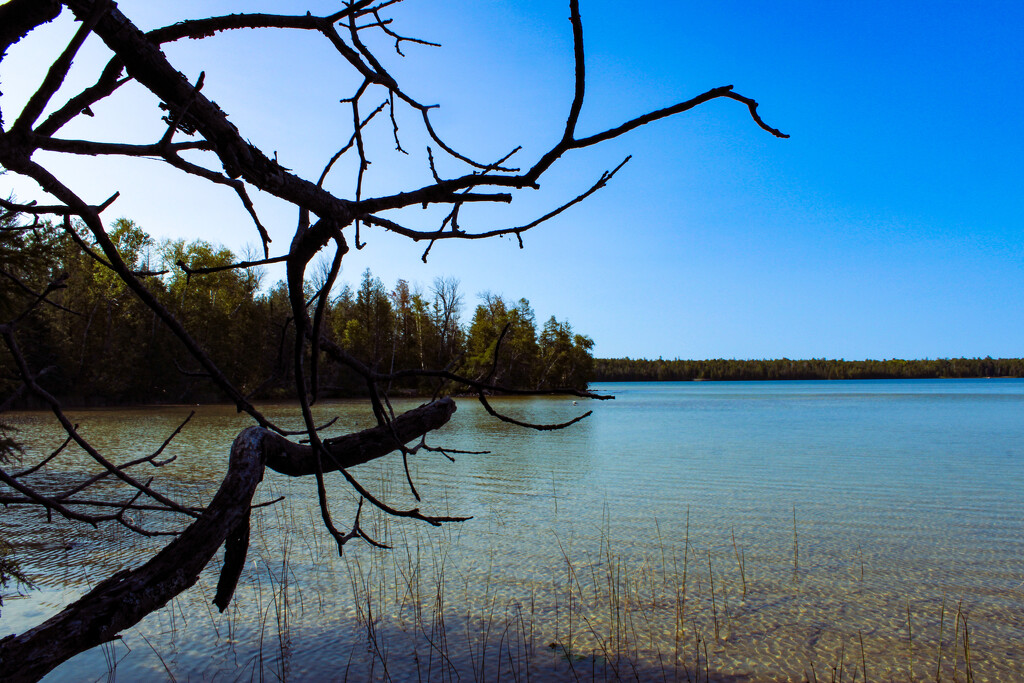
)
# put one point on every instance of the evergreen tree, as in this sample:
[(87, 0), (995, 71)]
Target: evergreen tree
[(518, 353)]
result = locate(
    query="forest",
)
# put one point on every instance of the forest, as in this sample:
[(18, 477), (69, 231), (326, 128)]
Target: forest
[(102, 346), (720, 369)]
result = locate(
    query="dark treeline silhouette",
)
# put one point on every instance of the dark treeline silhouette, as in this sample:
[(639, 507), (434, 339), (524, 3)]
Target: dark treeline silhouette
[(103, 346), (640, 370)]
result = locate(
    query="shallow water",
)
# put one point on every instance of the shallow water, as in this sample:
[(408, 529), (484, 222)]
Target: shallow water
[(742, 531)]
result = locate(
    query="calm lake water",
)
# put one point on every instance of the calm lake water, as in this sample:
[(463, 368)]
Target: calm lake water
[(685, 531)]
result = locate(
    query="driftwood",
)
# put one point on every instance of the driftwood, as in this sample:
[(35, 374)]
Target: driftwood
[(125, 598)]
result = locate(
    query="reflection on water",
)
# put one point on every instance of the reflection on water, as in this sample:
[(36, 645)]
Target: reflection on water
[(737, 531)]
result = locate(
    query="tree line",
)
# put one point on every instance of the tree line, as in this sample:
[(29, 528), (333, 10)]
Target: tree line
[(103, 346), (641, 370)]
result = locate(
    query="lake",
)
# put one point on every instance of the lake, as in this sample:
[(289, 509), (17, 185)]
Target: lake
[(733, 531)]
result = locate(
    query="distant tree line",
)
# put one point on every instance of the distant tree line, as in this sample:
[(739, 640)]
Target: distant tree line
[(640, 370), (102, 346)]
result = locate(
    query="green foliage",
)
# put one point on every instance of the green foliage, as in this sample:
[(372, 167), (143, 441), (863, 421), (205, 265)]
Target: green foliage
[(635, 370), (565, 358), (25, 271), (23, 259), (403, 329), (518, 356), (369, 333), (105, 347), (223, 310)]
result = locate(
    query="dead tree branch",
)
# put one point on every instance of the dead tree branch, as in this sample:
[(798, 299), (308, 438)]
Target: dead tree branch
[(324, 217)]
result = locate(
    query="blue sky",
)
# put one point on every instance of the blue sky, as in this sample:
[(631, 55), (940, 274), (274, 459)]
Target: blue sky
[(888, 225)]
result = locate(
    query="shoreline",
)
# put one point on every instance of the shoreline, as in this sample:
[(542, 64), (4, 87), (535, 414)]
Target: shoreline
[(67, 404)]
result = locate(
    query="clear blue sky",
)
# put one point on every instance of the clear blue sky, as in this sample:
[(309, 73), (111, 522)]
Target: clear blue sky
[(891, 223)]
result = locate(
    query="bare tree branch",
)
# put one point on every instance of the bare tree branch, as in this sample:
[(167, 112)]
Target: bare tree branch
[(540, 427), (323, 218), (56, 74)]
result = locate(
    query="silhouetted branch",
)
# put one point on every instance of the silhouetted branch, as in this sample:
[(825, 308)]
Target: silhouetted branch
[(90, 148), (34, 209), (530, 425), (56, 73), (19, 17), (189, 272), (45, 460), (40, 297), (205, 28)]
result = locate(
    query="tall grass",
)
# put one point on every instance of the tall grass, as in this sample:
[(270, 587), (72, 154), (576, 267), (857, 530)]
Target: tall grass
[(606, 614), (601, 606)]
